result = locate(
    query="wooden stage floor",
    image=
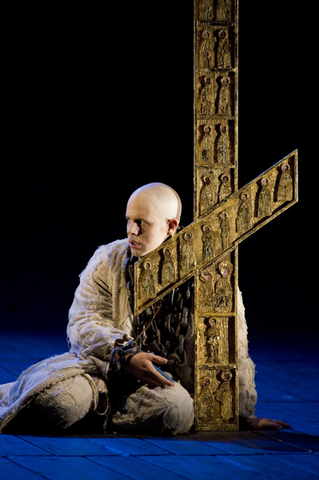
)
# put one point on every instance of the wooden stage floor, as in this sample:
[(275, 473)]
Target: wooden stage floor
[(287, 383)]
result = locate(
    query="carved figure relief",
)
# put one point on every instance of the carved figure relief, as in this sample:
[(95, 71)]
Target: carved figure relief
[(224, 397), (224, 229), (215, 397), (206, 97), (223, 289), (223, 11), (205, 291), (205, 10), (264, 199), (223, 54), (187, 252), (207, 239), (206, 195), (212, 336), (223, 146), (206, 399), (285, 186), (225, 188), (207, 145), (148, 283), (224, 97), (168, 268), (244, 215), (206, 50)]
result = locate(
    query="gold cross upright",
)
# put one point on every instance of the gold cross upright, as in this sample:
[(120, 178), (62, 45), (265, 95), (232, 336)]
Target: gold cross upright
[(223, 217)]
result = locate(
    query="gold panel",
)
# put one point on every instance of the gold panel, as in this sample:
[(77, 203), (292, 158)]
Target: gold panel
[(215, 405)]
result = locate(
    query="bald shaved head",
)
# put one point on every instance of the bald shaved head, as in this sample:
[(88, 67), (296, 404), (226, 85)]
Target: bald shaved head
[(162, 197), (153, 213)]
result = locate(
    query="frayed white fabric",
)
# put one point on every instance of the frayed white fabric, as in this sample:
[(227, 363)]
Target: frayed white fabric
[(100, 313), (69, 401), (156, 410), (47, 374), (246, 367), (99, 316)]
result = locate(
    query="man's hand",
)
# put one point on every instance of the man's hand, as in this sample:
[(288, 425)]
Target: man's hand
[(141, 365), (263, 424)]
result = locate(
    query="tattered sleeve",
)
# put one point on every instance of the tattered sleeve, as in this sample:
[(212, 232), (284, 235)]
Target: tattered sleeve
[(99, 316)]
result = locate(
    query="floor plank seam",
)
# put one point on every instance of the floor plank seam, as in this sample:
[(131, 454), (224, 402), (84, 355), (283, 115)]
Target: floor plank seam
[(28, 469), (141, 458)]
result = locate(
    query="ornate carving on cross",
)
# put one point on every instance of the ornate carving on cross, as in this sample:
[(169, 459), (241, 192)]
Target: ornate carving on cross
[(223, 217)]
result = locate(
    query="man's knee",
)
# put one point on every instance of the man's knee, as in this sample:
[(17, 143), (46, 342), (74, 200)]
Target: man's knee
[(67, 402), (156, 410), (179, 414)]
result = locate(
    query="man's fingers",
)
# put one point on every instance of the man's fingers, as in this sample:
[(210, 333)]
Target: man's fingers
[(283, 424), (265, 423), (158, 359), (274, 424), (160, 379)]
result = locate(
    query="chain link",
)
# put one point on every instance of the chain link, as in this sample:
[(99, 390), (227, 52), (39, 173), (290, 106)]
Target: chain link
[(164, 327)]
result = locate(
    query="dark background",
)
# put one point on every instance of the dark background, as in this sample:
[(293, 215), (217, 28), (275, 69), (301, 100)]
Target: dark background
[(96, 100)]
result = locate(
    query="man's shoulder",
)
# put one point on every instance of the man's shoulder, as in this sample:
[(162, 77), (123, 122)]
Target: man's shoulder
[(112, 252)]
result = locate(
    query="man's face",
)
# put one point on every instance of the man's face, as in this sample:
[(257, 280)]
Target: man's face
[(146, 227)]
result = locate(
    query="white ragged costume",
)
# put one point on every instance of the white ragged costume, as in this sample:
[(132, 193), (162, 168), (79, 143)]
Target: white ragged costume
[(67, 387)]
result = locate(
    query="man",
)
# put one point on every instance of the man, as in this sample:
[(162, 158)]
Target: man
[(105, 376)]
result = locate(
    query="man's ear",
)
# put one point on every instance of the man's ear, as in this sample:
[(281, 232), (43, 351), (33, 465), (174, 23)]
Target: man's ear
[(172, 226)]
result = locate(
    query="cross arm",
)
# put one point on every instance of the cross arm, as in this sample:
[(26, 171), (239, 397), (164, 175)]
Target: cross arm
[(221, 229)]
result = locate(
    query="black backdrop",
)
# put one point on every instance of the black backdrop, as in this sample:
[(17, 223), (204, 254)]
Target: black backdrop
[(96, 100)]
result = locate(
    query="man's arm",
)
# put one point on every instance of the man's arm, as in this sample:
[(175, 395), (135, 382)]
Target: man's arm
[(92, 330), (100, 317)]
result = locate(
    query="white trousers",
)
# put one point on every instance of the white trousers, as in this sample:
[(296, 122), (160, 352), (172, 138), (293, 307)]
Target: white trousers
[(147, 410)]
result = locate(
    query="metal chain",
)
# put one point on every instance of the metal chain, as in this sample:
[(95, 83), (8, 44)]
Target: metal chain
[(164, 327)]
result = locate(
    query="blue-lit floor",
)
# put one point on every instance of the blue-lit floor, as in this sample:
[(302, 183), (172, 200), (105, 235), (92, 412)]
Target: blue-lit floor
[(287, 383)]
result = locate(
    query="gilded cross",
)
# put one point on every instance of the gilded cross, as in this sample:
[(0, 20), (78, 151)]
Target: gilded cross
[(223, 217)]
